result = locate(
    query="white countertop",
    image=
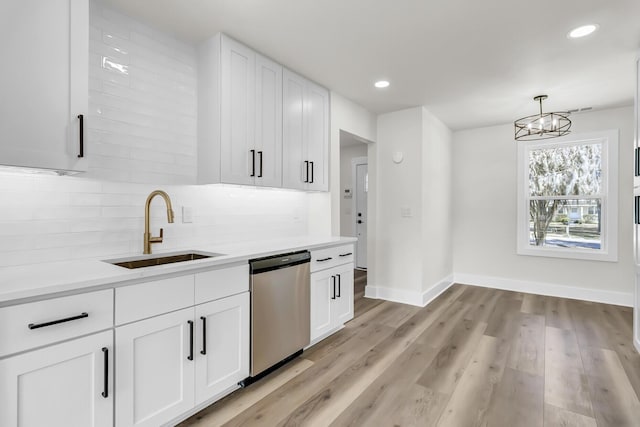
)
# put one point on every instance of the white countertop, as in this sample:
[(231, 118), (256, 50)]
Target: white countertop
[(22, 283)]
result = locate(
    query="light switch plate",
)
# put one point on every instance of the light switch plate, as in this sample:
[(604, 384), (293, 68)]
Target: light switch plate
[(187, 214)]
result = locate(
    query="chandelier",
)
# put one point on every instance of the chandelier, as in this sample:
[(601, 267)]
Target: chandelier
[(542, 125)]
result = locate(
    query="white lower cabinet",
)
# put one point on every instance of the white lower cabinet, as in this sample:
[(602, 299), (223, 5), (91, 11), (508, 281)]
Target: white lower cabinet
[(331, 299), (166, 366), (68, 384), (222, 356), (154, 376)]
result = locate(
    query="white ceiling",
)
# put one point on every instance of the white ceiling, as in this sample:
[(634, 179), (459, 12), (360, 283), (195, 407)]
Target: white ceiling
[(471, 63)]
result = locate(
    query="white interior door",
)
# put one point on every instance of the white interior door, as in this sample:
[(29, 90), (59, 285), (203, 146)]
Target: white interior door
[(361, 214)]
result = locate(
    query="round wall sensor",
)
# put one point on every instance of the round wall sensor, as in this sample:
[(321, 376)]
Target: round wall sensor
[(398, 156)]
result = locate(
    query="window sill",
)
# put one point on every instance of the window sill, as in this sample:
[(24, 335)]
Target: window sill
[(569, 254)]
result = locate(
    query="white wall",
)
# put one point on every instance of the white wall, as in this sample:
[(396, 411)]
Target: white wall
[(484, 216), (412, 260), (141, 125), (437, 224), (347, 153)]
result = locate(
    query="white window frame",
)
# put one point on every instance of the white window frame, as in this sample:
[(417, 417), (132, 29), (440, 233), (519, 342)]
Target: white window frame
[(609, 194)]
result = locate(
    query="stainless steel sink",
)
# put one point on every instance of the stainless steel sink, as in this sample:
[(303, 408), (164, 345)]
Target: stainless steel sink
[(160, 259)]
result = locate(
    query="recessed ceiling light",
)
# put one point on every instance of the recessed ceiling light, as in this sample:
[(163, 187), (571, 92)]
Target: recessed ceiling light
[(582, 31), (381, 84)]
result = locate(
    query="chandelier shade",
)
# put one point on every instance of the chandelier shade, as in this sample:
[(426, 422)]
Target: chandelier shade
[(542, 125)]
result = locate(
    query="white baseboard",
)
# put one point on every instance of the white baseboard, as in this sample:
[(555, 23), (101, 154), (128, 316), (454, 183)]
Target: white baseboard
[(404, 296), (549, 289)]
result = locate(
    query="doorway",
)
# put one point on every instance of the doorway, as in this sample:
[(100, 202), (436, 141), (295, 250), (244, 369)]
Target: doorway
[(360, 174), (353, 193)]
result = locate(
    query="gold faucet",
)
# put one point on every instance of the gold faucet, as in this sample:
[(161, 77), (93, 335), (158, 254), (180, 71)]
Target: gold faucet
[(148, 238)]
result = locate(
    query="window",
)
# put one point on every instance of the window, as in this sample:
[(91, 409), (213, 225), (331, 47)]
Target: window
[(568, 197)]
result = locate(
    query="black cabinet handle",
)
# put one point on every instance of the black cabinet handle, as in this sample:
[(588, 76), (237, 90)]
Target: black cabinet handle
[(324, 259), (637, 164), (306, 165), (55, 322), (253, 162), (637, 210), (81, 118), (333, 278), (311, 182), (204, 335), (190, 357), (339, 286), (347, 254), (260, 156), (105, 353)]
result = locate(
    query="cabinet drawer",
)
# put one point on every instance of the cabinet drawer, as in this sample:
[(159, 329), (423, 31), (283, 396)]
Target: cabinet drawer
[(330, 257), (40, 323), (216, 284), (153, 298)]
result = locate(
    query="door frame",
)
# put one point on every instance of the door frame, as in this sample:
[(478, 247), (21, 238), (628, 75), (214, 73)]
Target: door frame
[(357, 161)]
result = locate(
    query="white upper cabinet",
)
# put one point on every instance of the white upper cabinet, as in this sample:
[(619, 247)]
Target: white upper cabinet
[(268, 131), (44, 83), (239, 115), (305, 134)]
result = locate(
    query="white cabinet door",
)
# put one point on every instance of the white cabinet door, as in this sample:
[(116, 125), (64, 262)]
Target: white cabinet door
[(268, 130), (342, 310), (294, 163), (316, 120), (44, 83), (305, 134), (59, 386), (222, 345), (154, 376), (322, 295), (237, 112)]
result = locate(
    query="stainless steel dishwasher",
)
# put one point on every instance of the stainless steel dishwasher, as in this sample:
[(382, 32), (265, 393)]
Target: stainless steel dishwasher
[(280, 300)]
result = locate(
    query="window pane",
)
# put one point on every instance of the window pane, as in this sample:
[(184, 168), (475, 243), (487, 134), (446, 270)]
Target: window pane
[(561, 171), (562, 223)]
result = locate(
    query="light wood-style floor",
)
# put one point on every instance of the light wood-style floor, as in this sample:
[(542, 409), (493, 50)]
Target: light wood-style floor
[(472, 357)]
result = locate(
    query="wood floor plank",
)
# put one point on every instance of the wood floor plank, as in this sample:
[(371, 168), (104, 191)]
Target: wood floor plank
[(414, 406), (558, 417), (379, 398), (518, 400), (527, 348), (557, 313), (235, 403), (446, 369), (587, 322), (533, 304), (503, 320), (614, 400), (476, 388), (566, 384), (483, 303)]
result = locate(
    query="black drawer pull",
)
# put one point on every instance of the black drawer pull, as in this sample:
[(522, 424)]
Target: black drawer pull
[(105, 352), (55, 322), (306, 163), (324, 259), (637, 210), (81, 118), (260, 157), (339, 287), (333, 278), (190, 357), (637, 162), (347, 254), (204, 335), (253, 162), (311, 182)]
